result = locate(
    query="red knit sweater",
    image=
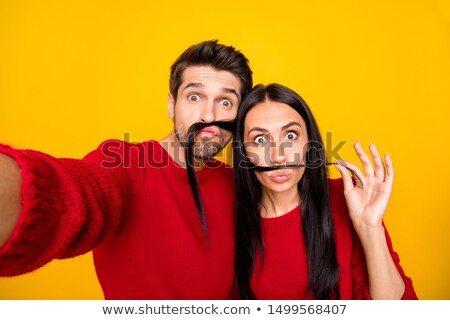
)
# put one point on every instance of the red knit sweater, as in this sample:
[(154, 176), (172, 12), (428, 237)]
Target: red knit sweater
[(284, 274), (133, 204)]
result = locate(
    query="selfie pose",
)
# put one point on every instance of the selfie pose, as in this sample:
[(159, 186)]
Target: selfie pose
[(132, 204)]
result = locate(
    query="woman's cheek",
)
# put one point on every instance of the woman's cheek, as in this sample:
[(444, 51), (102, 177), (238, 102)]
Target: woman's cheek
[(259, 176), (255, 156)]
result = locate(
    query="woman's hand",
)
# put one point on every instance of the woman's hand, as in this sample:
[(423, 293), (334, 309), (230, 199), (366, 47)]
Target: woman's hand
[(367, 198), (367, 195)]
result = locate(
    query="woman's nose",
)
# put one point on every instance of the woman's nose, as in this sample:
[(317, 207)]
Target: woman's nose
[(277, 153)]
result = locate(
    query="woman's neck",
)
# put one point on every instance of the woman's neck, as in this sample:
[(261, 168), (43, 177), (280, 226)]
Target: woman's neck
[(275, 204)]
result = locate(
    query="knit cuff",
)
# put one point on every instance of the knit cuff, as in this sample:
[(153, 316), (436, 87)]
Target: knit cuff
[(29, 246)]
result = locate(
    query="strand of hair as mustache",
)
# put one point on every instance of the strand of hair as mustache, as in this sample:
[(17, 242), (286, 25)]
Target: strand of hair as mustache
[(230, 126)]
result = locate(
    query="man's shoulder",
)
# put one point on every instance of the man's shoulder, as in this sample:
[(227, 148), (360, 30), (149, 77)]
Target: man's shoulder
[(114, 153), (116, 143)]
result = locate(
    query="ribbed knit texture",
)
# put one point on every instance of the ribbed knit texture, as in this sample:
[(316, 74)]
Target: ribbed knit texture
[(284, 274), (133, 204)]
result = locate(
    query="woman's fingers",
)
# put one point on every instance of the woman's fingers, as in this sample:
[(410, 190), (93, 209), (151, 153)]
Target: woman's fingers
[(383, 172), (355, 171), (346, 178), (379, 166), (367, 165), (389, 169)]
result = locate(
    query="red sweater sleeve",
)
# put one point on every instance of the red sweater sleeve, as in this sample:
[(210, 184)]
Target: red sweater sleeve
[(360, 275), (69, 206)]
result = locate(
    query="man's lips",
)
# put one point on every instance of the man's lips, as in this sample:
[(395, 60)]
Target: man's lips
[(210, 131)]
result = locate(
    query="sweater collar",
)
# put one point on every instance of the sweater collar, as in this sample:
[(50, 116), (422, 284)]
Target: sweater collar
[(288, 221)]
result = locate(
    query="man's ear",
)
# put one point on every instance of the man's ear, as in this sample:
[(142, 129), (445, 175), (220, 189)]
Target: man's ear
[(170, 105)]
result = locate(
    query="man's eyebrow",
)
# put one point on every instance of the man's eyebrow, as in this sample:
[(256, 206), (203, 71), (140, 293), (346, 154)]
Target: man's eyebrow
[(194, 85), (230, 90), (201, 85), (290, 124)]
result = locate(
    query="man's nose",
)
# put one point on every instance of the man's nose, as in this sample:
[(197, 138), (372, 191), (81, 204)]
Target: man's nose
[(208, 112)]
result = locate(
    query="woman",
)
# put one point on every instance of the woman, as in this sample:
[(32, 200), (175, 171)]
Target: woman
[(299, 234)]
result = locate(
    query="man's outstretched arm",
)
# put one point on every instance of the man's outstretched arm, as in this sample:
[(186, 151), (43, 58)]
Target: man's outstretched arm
[(54, 208), (10, 197)]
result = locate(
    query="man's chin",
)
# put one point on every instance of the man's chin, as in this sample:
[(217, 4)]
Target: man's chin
[(206, 150)]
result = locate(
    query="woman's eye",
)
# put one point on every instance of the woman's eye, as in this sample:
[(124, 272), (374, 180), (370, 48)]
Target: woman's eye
[(260, 139), (291, 135), (193, 97)]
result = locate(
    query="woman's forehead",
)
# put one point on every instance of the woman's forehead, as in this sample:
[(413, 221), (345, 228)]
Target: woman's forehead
[(271, 113)]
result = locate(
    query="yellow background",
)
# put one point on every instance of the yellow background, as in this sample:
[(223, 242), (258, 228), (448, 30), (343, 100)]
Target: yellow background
[(74, 73)]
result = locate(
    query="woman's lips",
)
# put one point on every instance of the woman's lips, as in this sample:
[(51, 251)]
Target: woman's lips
[(280, 176)]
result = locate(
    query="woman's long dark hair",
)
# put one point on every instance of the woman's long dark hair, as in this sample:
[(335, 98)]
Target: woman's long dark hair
[(318, 234)]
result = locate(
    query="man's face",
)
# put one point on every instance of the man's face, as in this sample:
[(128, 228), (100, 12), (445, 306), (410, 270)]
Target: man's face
[(205, 95)]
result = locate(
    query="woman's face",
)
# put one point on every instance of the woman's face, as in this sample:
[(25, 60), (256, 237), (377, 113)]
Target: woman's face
[(275, 134)]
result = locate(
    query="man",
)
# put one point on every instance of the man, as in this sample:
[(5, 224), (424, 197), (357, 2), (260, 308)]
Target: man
[(132, 204)]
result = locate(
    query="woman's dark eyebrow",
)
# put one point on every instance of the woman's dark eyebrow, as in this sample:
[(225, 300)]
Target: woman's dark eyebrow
[(290, 124), (257, 129)]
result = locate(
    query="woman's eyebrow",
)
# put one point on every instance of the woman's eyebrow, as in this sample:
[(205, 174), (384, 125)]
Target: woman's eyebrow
[(257, 129), (290, 124)]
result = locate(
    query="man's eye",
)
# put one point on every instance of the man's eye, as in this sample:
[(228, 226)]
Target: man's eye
[(193, 97), (260, 139), (227, 103), (291, 135)]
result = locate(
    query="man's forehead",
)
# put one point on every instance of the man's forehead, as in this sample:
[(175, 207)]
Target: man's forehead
[(202, 76)]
